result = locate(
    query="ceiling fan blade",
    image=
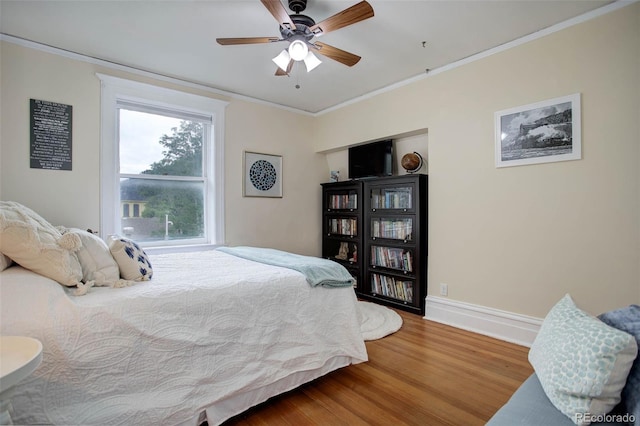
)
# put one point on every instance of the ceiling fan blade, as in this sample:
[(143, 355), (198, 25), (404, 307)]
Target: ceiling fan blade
[(342, 56), (246, 40), (351, 15), (280, 72), (280, 13)]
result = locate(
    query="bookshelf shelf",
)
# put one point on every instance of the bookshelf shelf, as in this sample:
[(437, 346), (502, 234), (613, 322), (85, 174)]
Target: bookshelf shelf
[(392, 228)]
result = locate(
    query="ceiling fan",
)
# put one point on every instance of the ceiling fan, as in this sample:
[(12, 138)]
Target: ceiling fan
[(300, 30)]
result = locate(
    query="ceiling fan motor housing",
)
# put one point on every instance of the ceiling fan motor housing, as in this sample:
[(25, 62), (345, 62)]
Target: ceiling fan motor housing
[(302, 22)]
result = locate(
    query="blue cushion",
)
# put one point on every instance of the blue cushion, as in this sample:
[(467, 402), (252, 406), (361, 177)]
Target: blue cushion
[(529, 406), (628, 320)]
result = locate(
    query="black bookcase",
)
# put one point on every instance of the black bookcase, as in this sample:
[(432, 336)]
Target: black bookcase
[(342, 232), (383, 222), (395, 241)]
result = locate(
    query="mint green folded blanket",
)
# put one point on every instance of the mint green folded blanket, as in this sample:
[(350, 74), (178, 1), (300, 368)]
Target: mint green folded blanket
[(317, 271)]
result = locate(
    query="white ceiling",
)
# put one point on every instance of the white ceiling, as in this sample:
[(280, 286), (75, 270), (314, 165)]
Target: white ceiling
[(177, 39)]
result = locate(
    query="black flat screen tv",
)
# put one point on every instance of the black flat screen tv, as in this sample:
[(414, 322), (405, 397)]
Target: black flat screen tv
[(371, 160)]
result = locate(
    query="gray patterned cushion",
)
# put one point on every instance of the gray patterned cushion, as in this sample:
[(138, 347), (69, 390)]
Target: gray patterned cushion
[(628, 319), (581, 362)]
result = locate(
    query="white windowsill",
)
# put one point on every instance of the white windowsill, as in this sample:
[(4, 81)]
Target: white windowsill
[(180, 249)]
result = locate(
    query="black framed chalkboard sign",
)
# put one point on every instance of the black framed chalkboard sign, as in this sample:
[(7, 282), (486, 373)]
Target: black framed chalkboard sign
[(51, 126)]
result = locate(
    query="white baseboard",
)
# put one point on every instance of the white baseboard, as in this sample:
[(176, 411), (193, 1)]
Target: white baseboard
[(503, 325)]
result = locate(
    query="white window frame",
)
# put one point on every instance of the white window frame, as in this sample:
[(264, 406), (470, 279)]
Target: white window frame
[(114, 89)]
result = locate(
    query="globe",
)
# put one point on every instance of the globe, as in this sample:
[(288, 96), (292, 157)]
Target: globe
[(411, 162)]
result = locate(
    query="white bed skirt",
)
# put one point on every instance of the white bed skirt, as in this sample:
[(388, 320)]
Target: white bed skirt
[(234, 405)]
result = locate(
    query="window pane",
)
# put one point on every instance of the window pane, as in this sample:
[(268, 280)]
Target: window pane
[(169, 210), (159, 145)]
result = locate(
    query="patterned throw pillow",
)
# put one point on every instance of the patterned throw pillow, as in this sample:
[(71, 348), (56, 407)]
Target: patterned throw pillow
[(131, 259), (628, 319), (581, 362)]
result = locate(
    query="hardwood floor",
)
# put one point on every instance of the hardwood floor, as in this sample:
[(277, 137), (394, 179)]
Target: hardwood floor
[(424, 374)]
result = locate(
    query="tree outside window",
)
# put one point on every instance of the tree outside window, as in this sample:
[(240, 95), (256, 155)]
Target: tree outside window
[(168, 193)]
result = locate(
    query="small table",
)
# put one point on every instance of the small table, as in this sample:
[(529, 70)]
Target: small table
[(19, 357)]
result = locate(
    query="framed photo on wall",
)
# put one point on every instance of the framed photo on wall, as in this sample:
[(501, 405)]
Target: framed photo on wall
[(542, 132), (262, 175)]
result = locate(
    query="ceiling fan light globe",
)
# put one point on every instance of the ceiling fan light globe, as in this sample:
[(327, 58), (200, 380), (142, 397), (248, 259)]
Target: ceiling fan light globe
[(298, 50), (311, 61), (282, 60)]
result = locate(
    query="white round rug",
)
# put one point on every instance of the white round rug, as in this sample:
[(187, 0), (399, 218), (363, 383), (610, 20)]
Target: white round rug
[(377, 321)]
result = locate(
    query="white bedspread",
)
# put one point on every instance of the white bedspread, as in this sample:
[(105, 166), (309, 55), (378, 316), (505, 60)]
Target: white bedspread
[(207, 328)]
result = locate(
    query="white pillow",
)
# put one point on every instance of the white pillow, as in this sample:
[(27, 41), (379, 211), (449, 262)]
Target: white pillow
[(581, 362), (131, 259), (35, 244), (95, 259), (5, 262)]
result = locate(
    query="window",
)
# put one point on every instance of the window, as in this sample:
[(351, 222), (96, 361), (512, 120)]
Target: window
[(161, 169)]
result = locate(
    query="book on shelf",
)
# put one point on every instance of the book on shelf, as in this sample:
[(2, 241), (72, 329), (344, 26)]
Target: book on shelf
[(397, 229), (392, 257), (343, 201), (390, 287), (344, 226), (397, 198)]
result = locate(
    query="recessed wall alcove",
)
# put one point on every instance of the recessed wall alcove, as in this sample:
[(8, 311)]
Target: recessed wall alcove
[(415, 141)]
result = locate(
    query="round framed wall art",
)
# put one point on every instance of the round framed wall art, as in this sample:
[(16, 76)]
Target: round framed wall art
[(262, 175)]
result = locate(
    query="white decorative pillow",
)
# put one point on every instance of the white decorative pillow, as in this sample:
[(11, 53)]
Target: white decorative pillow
[(95, 259), (132, 260), (35, 244), (5, 262), (581, 362)]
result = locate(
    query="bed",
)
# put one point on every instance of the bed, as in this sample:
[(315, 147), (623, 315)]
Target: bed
[(210, 335)]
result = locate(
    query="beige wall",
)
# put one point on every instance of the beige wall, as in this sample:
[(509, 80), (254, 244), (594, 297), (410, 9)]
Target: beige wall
[(519, 238), (67, 198), (72, 198), (292, 222)]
